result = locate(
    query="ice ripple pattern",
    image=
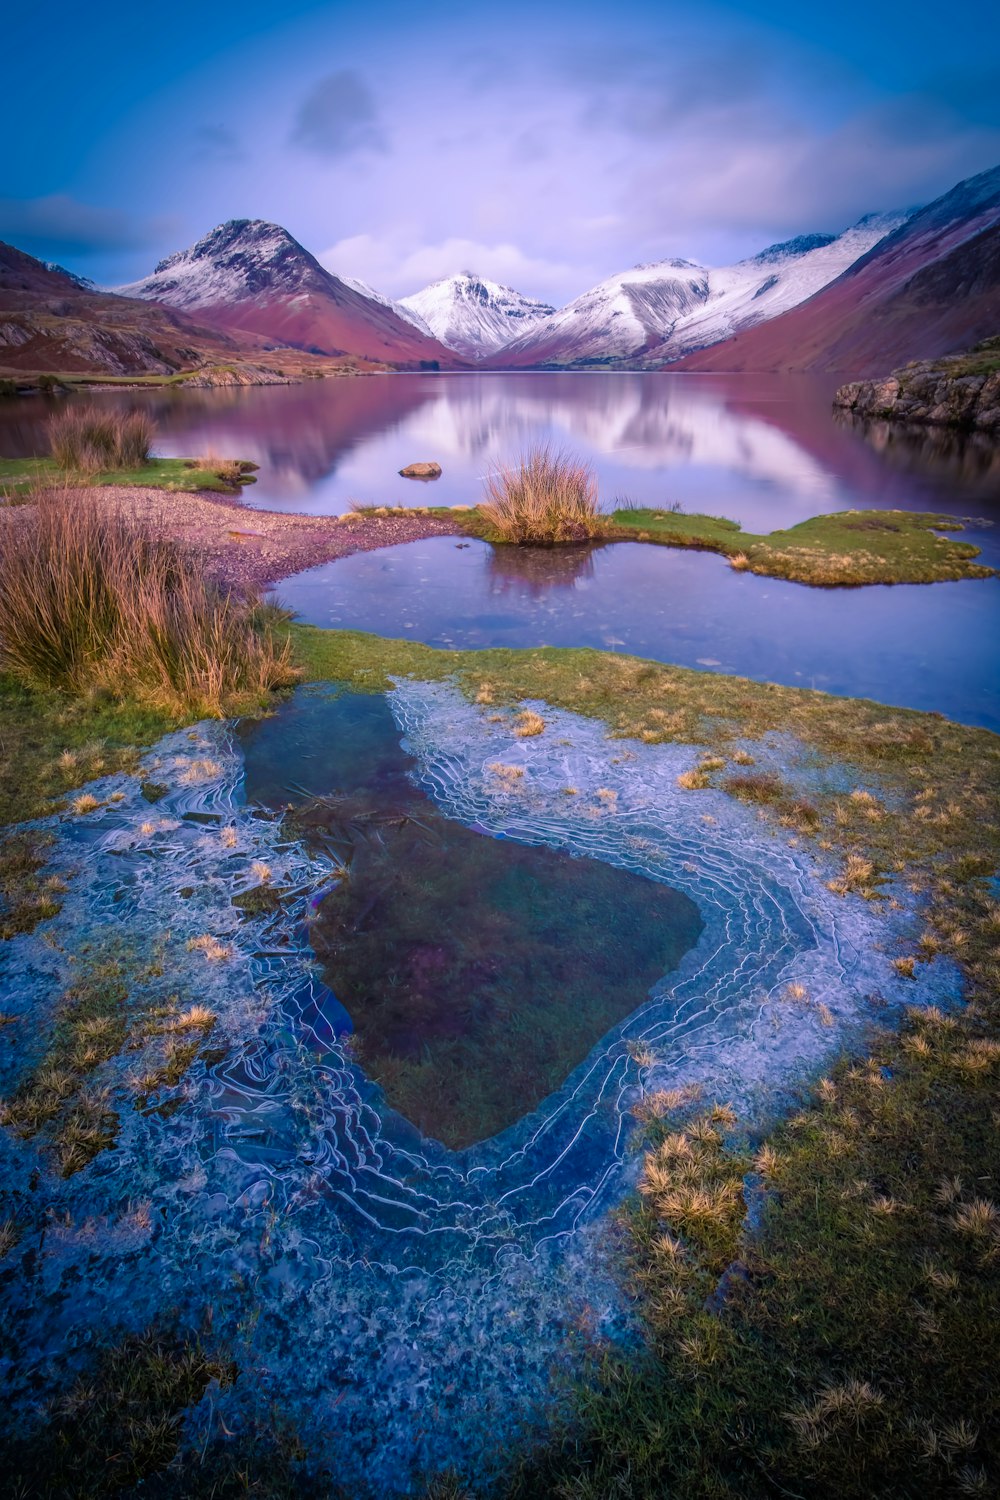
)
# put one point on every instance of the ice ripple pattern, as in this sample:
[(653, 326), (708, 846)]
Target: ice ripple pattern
[(409, 1305)]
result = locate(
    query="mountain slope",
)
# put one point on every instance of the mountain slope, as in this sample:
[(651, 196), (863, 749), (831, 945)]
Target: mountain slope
[(475, 316), (618, 319), (930, 288), (406, 313), (658, 312), (251, 275), (52, 321)]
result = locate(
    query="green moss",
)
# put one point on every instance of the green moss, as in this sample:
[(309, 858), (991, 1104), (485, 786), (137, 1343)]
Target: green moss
[(846, 548), (53, 742), (18, 476), (258, 900)]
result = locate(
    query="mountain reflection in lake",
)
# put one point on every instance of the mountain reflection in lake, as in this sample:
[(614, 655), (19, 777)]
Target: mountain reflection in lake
[(763, 449)]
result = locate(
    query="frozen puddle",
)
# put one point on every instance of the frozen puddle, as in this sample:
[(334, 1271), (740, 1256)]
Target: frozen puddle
[(409, 1307)]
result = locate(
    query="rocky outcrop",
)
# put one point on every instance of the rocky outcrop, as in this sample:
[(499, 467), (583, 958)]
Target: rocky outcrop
[(961, 392)]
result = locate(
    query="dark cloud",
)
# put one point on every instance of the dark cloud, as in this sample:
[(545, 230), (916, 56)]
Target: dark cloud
[(59, 225), (338, 117), (217, 143)]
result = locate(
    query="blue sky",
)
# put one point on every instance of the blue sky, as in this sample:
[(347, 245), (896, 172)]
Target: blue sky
[(547, 145)]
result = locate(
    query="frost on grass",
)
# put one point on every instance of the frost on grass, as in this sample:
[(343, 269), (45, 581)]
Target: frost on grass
[(281, 1192)]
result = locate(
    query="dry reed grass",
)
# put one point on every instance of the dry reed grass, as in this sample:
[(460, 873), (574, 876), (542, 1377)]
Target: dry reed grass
[(92, 441), (92, 598), (541, 499)]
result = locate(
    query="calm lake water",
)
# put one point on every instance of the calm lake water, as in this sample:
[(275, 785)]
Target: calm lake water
[(764, 450), (932, 647)]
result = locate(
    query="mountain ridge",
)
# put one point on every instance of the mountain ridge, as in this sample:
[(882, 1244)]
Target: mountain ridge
[(254, 276), (660, 310), (929, 288)]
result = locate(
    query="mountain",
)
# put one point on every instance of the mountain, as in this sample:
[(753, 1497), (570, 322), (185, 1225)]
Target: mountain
[(253, 276), (51, 320), (397, 307), (930, 288), (657, 312), (475, 316)]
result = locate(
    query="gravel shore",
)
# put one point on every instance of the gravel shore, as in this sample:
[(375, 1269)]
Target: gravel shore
[(249, 549)]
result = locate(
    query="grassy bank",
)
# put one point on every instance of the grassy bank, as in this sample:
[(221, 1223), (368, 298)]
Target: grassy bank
[(20, 476)]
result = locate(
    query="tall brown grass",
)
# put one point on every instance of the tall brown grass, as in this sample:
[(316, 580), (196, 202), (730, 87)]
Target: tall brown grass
[(90, 441), (93, 598), (544, 497)]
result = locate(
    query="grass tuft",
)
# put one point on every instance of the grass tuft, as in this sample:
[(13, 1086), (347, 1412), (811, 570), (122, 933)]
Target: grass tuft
[(90, 597), (542, 499), (90, 441)]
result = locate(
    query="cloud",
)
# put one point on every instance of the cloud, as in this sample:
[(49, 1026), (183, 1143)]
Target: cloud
[(217, 143), (767, 183), (338, 117), (394, 266), (59, 225)]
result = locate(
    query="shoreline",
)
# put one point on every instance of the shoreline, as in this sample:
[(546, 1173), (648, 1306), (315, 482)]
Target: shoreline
[(249, 549)]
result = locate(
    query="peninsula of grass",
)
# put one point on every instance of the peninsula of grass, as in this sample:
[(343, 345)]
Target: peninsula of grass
[(19, 477), (91, 445), (847, 548)]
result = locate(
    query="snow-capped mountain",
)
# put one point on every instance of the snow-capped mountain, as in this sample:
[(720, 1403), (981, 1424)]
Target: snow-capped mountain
[(475, 316), (253, 275), (657, 312), (931, 287)]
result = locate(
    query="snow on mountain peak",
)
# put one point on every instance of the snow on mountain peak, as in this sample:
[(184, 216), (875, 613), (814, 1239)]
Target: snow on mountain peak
[(240, 259), (473, 315), (662, 309)]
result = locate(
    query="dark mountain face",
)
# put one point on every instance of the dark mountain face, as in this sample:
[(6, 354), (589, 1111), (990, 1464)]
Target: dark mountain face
[(798, 246)]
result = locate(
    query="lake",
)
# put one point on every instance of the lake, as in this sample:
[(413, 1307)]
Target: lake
[(764, 450)]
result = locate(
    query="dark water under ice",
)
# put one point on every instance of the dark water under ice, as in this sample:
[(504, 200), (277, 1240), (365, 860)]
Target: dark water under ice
[(478, 972)]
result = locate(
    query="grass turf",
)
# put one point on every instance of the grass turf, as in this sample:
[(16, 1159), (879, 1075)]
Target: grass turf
[(19, 476), (846, 548)]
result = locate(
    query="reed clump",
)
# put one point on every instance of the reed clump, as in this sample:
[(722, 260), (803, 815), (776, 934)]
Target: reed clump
[(92, 598), (90, 441), (542, 499)]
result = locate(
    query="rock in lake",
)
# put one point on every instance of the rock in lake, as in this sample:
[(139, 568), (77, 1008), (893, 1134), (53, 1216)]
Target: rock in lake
[(421, 471)]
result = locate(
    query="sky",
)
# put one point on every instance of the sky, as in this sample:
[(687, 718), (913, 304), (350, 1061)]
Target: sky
[(543, 145)]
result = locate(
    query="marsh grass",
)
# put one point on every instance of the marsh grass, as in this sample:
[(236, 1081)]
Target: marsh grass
[(25, 897), (542, 499), (120, 1429), (88, 440), (62, 1100), (90, 598), (860, 1273)]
